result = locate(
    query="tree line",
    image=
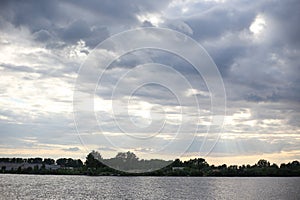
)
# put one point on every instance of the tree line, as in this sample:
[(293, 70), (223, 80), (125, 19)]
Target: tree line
[(128, 164), (65, 162)]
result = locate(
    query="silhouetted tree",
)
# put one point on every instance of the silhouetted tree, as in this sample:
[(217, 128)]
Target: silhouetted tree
[(69, 162), (129, 162), (49, 161), (263, 163), (35, 160), (177, 163), (93, 160)]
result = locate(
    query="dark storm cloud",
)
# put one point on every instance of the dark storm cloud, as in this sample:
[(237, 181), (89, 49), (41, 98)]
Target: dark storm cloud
[(264, 79), (213, 21), (34, 14), (234, 16), (74, 20), (120, 11), (77, 29), (224, 56), (266, 69), (147, 24), (217, 21), (144, 56), (82, 30), (219, 28), (284, 16)]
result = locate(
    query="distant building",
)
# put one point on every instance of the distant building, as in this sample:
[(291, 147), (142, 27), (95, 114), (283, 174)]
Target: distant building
[(68, 168), (15, 166), (52, 167), (10, 166), (177, 168)]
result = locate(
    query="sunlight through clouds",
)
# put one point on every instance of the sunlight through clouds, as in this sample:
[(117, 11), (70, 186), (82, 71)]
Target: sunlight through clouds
[(258, 25), (255, 46)]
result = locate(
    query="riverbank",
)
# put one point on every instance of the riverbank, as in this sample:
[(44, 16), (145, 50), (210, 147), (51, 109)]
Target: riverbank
[(128, 164)]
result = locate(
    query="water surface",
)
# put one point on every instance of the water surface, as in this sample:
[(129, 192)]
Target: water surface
[(106, 187)]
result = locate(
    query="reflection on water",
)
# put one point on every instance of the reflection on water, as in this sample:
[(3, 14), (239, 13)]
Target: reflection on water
[(84, 187)]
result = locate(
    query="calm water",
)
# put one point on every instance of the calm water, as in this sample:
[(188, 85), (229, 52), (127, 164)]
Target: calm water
[(84, 187)]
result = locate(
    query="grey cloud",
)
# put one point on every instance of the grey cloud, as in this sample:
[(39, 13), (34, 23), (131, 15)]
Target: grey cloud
[(71, 21), (240, 147), (105, 148), (283, 16), (220, 27), (42, 35), (220, 19), (82, 30), (264, 79), (121, 12), (78, 29), (43, 71), (146, 23), (45, 127), (17, 68), (72, 149), (180, 26), (34, 14)]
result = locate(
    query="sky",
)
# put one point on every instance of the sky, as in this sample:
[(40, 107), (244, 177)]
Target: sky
[(50, 49)]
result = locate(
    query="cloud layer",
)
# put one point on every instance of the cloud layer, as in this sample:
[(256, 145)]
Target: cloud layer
[(255, 45)]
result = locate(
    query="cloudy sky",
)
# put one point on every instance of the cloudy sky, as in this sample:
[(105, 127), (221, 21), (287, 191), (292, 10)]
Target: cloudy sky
[(46, 45)]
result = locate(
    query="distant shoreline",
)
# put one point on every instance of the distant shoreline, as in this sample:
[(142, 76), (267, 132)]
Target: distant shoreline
[(128, 164), (138, 175)]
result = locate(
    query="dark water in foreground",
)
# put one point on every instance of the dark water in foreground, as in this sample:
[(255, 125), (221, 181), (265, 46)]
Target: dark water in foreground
[(84, 187)]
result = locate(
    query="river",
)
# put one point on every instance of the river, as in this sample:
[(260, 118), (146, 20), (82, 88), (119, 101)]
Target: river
[(112, 187)]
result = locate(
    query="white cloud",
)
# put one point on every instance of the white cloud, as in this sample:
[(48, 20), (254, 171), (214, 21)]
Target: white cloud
[(154, 19)]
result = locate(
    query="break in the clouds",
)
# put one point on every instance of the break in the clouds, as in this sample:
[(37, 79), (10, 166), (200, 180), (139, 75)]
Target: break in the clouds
[(255, 45)]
